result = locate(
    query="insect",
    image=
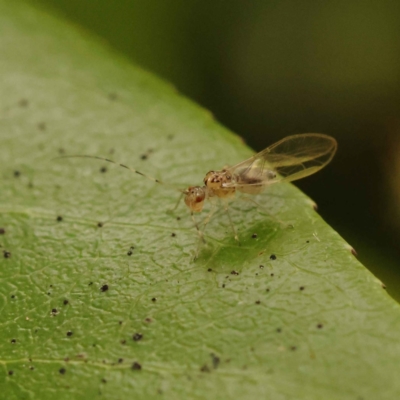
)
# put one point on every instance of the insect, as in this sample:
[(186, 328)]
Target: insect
[(292, 158)]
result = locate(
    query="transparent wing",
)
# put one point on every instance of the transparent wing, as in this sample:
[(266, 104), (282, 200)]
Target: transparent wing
[(292, 158)]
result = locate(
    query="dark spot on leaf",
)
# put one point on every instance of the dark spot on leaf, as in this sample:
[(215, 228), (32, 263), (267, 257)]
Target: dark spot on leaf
[(261, 266), (137, 336), (31, 367), (23, 103), (100, 224), (7, 254), (178, 218), (103, 380), (112, 96), (136, 366), (267, 289), (120, 360), (383, 286), (17, 174), (223, 285), (293, 348), (319, 326), (144, 156), (2, 231), (62, 371), (69, 333), (215, 360), (90, 283), (234, 273), (10, 372), (307, 241), (48, 293), (209, 270), (205, 368), (148, 320), (173, 234), (254, 235), (279, 330), (170, 137), (59, 218), (272, 274), (66, 359), (154, 299), (65, 302), (272, 257), (13, 296), (301, 287), (104, 288), (13, 341), (54, 311), (120, 322), (129, 253), (258, 302), (123, 341)]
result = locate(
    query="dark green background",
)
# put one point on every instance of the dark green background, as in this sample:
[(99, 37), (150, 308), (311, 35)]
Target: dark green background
[(267, 69)]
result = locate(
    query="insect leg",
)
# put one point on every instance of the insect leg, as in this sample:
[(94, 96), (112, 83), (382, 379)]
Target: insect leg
[(226, 208)]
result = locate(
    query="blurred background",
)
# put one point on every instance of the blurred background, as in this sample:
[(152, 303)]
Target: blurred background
[(267, 69)]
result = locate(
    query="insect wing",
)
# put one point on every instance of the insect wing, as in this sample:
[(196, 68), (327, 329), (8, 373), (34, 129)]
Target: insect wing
[(292, 158)]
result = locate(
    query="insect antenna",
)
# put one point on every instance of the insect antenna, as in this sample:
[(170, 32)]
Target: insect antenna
[(123, 166)]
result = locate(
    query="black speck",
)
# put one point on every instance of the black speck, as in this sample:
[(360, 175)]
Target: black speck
[(148, 320), (272, 274), (23, 103), (65, 302), (178, 218), (112, 96), (48, 293), (254, 236), (129, 253), (301, 288), (223, 285), (90, 283), (103, 380), (205, 368), (307, 241), (215, 360), (120, 360), (137, 336), (17, 174), (144, 156), (70, 333), (154, 299), (103, 170), (7, 254), (100, 224), (136, 366), (59, 218), (13, 341), (383, 286), (31, 367), (293, 348), (173, 234), (54, 311), (120, 322), (10, 372), (319, 326), (279, 330), (272, 257), (258, 302), (209, 270), (267, 289), (62, 371), (2, 231), (123, 341), (104, 288), (13, 296), (261, 266), (234, 273)]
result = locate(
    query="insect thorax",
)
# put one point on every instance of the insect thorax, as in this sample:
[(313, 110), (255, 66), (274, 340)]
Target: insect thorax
[(215, 181)]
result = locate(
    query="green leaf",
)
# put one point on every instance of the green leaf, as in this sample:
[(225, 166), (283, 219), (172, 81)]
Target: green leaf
[(120, 310)]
